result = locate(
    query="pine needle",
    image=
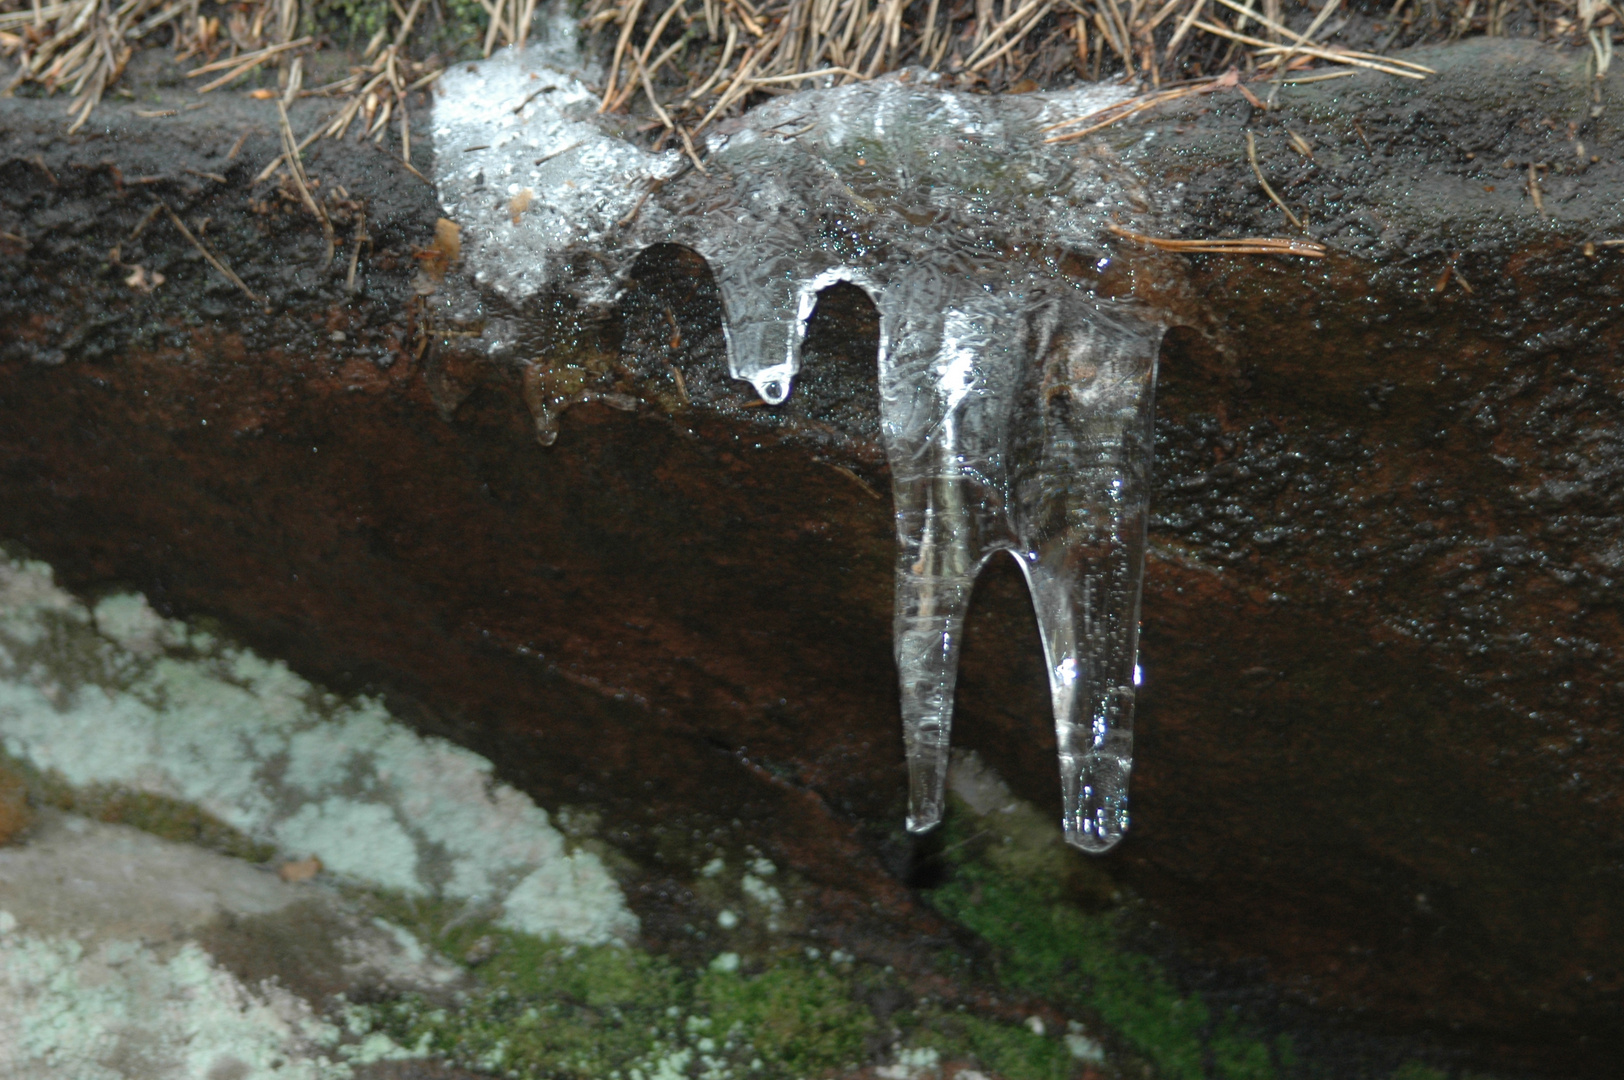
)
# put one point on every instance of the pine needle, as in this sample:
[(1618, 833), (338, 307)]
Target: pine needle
[(1251, 155), (1308, 249), (225, 271)]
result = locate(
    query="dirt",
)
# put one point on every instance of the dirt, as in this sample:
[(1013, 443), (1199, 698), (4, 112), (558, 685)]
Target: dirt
[(15, 813), (1406, 172)]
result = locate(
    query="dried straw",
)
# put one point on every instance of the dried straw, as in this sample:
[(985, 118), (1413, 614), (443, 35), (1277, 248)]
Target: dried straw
[(686, 63)]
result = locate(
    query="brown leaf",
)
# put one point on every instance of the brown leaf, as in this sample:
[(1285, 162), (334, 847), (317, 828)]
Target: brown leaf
[(444, 252), (521, 203), (299, 869)]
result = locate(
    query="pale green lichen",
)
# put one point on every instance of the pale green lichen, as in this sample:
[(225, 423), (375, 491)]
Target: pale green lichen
[(146, 715), (118, 1009)]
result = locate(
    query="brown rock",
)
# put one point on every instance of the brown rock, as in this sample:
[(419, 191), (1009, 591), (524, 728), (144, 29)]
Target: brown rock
[(1379, 745)]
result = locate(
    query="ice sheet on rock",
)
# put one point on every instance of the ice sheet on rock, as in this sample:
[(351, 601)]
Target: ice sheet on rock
[(1015, 404), (520, 121), (857, 183)]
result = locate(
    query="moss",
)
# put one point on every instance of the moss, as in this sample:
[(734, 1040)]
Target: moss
[(547, 1009), (1015, 1053), (543, 1009), (354, 22), (1414, 1070), (160, 815), (1013, 892), (797, 1017), (169, 818), (1050, 949), (554, 1010), (15, 813), (1239, 1056)]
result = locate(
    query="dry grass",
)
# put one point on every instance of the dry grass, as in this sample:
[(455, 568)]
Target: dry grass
[(689, 61), (684, 63), (679, 65), (83, 46)]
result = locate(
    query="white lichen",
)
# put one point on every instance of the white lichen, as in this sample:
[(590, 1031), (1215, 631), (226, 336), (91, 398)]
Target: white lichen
[(119, 1010), (128, 698), (912, 1063)]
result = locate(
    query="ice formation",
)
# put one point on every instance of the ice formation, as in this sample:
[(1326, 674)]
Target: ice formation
[(1015, 403)]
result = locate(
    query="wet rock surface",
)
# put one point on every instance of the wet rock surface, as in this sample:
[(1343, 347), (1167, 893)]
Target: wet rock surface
[(1377, 746)]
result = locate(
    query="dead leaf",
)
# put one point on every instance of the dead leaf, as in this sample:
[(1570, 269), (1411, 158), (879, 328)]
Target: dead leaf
[(444, 252), (299, 870), (520, 203), (143, 280)]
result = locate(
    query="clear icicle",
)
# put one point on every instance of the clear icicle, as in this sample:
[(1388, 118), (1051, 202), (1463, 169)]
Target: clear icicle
[(763, 333), (1081, 493), (1015, 404), (1020, 422)]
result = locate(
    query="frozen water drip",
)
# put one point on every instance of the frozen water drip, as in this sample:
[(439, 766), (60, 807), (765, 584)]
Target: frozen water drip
[(1015, 403), (1020, 421)]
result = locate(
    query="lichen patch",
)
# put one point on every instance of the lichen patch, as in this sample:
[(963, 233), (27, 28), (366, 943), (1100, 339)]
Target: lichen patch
[(123, 698)]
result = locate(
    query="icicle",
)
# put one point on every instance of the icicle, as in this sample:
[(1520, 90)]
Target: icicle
[(934, 402), (1015, 404), (763, 328), (762, 260), (1020, 421), (1080, 495)]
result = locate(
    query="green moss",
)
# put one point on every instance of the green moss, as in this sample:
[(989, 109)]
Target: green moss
[(1049, 948), (354, 22), (1013, 891), (1414, 1070), (797, 1017), (1015, 1053), (546, 1009), (349, 19), (171, 819), (1236, 1055)]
